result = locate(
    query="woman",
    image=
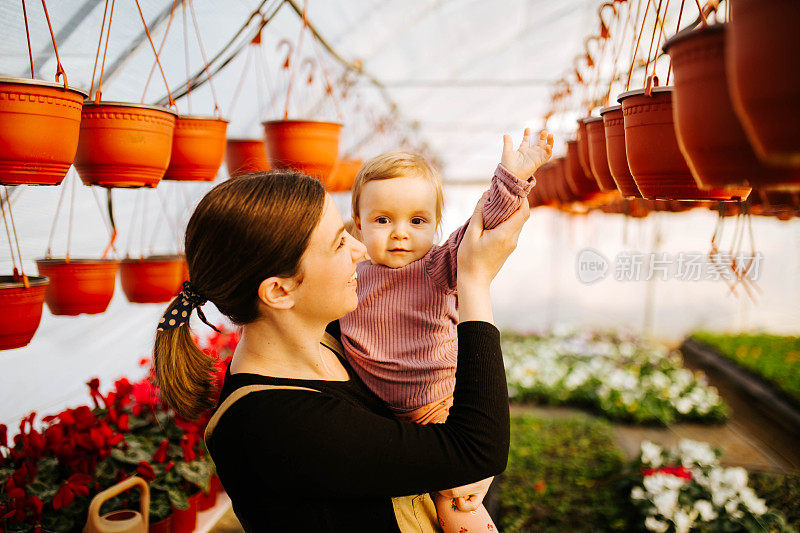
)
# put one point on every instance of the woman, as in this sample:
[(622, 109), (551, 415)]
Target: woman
[(270, 251)]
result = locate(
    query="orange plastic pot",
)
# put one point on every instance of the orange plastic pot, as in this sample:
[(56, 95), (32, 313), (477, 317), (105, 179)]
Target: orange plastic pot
[(243, 156), (302, 145), (155, 279), (78, 285), (614, 127), (598, 159), (655, 160), (709, 133), (763, 64), (343, 175), (124, 145), (583, 147), (39, 126), (198, 148), (582, 186), (20, 310), (184, 521)]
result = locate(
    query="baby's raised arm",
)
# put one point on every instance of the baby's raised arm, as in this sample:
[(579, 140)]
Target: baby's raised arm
[(511, 183)]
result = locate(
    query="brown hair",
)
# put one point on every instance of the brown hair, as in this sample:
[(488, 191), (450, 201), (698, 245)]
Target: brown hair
[(243, 231), (397, 164)]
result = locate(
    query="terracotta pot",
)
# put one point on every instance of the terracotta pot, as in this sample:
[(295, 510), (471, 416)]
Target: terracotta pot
[(162, 526), (343, 175), (302, 145), (78, 285), (709, 133), (538, 195), (155, 279), (561, 186), (198, 148), (598, 159), (39, 126), (184, 521), (763, 63), (656, 162), (20, 310), (583, 147), (124, 145), (243, 156), (583, 186), (614, 127)]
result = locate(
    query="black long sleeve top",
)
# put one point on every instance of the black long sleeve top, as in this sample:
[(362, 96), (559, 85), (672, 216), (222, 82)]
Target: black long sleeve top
[(304, 461)]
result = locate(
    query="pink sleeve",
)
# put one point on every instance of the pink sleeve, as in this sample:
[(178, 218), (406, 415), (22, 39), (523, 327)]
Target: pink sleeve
[(506, 194)]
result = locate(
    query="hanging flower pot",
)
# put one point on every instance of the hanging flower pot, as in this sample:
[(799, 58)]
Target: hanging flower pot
[(39, 125), (655, 161), (614, 127), (763, 64), (343, 175), (78, 285), (583, 186), (124, 145), (598, 159), (583, 147), (198, 148), (709, 133), (155, 279), (539, 193), (303, 145), (20, 310), (561, 186), (243, 156)]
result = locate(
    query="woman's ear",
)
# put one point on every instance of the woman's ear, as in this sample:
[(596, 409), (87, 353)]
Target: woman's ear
[(277, 293)]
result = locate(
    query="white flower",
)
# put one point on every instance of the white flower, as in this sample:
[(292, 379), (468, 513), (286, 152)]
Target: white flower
[(683, 405), (705, 510), (753, 503), (653, 524), (684, 521), (651, 454), (638, 493), (666, 503), (694, 452), (735, 477)]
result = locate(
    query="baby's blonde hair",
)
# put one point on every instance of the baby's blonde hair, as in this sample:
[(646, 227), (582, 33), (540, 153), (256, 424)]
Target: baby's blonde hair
[(397, 164)]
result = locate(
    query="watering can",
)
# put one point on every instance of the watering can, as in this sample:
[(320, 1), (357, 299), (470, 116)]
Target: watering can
[(125, 521)]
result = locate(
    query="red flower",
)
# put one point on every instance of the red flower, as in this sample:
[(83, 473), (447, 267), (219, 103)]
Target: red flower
[(146, 471), (169, 466), (3, 435), (539, 486), (94, 390), (187, 445), (144, 361), (677, 471), (160, 455), (75, 485)]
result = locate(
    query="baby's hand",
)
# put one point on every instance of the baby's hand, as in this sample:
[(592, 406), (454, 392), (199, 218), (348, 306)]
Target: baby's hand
[(526, 159)]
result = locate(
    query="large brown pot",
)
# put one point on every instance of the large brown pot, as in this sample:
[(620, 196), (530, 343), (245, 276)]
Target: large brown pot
[(39, 127), (656, 162), (155, 279), (614, 127), (303, 145), (763, 64), (198, 148), (243, 156), (124, 145), (583, 186), (20, 310), (709, 133), (78, 285), (583, 147), (561, 187), (598, 158)]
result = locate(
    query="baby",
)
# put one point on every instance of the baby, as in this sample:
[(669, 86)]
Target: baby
[(402, 337)]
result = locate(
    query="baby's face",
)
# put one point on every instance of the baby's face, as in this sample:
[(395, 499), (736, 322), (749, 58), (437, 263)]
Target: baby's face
[(397, 218)]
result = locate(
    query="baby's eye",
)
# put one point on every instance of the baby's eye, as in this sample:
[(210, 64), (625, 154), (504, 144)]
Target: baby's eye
[(417, 220), (382, 220)]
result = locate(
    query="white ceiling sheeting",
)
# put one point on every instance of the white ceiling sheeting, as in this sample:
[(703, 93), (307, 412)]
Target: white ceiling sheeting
[(461, 72)]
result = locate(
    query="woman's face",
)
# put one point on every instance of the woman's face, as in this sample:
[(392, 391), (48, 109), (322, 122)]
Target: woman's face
[(328, 266)]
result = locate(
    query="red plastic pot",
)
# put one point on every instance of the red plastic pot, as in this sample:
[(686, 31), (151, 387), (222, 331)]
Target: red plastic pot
[(709, 133), (124, 145), (302, 145), (216, 484), (39, 126), (343, 175), (656, 162), (598, 159), (78, 285), (207, 501), (198, 148), (155, 279), (614, 126), (184, 521), (162, 526), (583, 186), (763, 64), (20, 310), (243, 156), (583, 147)]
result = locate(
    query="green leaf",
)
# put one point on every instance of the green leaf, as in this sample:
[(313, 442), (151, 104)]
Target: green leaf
[(177, 498), (197, 472)]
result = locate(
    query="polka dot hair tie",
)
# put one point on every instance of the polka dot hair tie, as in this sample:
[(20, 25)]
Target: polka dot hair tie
[(180, 311)]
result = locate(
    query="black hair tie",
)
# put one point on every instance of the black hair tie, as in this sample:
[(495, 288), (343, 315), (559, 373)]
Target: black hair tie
[(181, 310)]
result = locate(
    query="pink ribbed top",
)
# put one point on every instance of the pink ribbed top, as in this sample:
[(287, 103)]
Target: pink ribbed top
[(402, 339)]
